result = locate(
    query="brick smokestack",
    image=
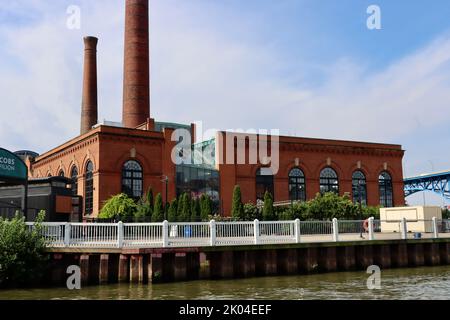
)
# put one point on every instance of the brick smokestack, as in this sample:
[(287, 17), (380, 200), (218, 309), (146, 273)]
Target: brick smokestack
[(136, 87), (89, 112)]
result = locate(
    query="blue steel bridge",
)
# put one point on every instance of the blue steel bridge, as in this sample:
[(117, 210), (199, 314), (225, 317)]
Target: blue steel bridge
[(438, 182)]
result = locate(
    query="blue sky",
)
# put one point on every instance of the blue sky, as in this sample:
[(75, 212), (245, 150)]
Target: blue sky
[(307, 67)]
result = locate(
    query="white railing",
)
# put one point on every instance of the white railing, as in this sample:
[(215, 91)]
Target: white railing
[(165, 234)]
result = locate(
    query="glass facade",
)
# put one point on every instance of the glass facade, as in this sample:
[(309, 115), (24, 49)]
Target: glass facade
[(297, 185), (386, 190), (264, 183), (359, 187), (132, 179), (197, 180), (89, 189), (329, 181)]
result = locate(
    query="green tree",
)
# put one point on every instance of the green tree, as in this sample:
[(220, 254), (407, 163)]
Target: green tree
[(195, 210), (149, 198), (120, 206), (23, 256), (185, 210), (205, 207), (268, 211), (251, 212), (237, 208), (158, 210), (172, 216)]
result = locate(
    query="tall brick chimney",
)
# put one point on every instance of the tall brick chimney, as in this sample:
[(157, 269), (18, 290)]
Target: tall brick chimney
[(89, 111), (136, 87)]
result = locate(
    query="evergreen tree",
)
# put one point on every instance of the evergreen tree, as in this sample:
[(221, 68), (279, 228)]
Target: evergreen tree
[(205, 207), (149, 199), (158, 210), (268, 212), (173, 208), (185, 215), (237, 208), (195, 210)]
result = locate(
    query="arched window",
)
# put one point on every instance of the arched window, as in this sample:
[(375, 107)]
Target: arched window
[(132, 179), (359, 188), (61, 173), (386, 190), (329, 181), (74, 178), (89, 189), (297, 185), (264, 182)]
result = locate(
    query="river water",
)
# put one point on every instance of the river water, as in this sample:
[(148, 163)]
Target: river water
[(405, 284)]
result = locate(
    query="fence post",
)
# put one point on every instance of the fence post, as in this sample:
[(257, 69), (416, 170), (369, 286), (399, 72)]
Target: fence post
[(435, 228), (67, 234), (165, 233), (256, 231), (120, 234), (404, 228), (371, 234), (212, 232), (297, 230), (335, 230)]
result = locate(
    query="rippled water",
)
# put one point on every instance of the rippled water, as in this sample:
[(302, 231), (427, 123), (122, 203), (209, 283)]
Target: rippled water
[(419, 283)]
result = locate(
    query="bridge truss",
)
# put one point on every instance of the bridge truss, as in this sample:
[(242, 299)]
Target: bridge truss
[(436, 182)]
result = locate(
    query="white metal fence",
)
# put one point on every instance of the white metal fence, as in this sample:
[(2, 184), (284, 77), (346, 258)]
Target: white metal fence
[(164, 235)]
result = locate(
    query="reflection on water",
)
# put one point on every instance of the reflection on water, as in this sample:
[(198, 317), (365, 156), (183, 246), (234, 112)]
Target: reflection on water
[(420, 283)]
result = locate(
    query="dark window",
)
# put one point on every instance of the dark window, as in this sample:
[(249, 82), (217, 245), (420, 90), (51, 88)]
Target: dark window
[(132, 179), (61, 174), (264, 183), (329, 181), (386, 191), (359, 188), (297, 185), (74, 177), (89, 189)]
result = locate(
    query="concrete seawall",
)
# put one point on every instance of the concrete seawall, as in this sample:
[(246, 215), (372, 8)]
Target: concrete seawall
[(102, 266)]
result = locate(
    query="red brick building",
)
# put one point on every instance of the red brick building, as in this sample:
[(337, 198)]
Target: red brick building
[(107, 159)]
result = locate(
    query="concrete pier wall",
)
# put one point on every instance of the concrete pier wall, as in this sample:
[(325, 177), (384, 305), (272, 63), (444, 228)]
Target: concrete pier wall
[(172, 265)]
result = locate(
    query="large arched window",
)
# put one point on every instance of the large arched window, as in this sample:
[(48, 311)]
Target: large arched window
[(329, 181), (74, 178), (359, 188), (132, 179), (89, 189), (297, 185), (264, 183), (386, 190)]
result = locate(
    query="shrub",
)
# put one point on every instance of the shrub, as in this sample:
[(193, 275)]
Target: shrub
[(195, 210), (120, 206), (172, 216), (22, 252), (268, 212), (184, 208), (237, 208), (158, 210), (205, 207), (251, 212)]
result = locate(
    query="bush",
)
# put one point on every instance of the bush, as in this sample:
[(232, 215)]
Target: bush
[(251, 212), (331, 205), (205, 207), (195, 210), (184, 208), (237, 208), (22, 252), (172, 216), (158, 210), (120, 206), (268, 212)]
